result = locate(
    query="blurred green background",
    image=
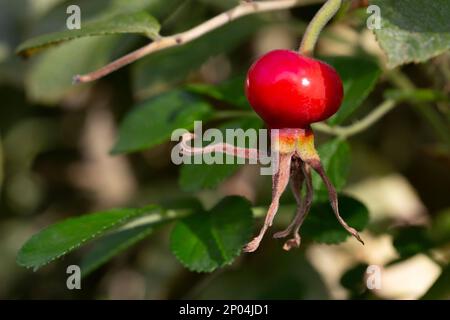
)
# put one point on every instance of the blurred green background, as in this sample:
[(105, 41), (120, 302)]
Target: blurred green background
[(55, 161)]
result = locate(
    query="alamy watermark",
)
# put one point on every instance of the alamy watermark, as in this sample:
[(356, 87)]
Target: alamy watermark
[(74, 279), (220, 144), (373, 277), (73, 22), (374, 20)]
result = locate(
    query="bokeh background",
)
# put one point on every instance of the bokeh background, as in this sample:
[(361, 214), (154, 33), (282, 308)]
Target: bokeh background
[(55, 162)]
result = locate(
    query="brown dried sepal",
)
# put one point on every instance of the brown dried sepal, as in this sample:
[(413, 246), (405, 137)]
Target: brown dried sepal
[(296, 156)]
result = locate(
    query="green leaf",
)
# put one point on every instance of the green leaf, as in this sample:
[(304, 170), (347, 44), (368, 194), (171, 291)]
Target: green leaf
[(136, 23), (153, 121), (171, 66), (50, 77), (230, 91), (322, 226), (440, 228), (206, 241), (413, 30), (354, 278), (113, 244), (335, 157), (440, 290), (411, 241), (159, 9), (64, 237), (359, 76), (195, 177)]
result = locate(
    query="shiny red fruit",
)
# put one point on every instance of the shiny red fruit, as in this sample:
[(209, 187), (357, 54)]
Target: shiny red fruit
[(288, 90)]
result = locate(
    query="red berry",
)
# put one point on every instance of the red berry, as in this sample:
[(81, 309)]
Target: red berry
[(288, 90)]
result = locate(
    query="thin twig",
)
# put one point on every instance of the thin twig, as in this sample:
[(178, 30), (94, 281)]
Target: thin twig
[(359, 126), (246, 153), (243, 9)]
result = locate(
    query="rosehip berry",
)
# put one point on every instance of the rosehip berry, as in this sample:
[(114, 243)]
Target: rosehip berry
[(288, 90)]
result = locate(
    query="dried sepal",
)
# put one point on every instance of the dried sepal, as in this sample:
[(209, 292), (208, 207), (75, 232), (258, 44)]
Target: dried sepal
[(296, 156), (279, 182)]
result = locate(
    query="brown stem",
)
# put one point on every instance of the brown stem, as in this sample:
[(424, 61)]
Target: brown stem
[(279, 181), (243, 9), (247, 153)]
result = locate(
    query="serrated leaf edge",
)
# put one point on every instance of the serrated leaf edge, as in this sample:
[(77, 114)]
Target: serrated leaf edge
[(80, 243)]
